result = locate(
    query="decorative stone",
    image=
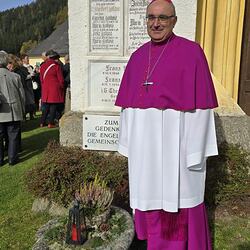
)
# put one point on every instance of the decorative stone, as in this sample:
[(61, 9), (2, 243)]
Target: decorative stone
[(122, 242), (56, 210), (71, 129), (40, 205), (41, 243)]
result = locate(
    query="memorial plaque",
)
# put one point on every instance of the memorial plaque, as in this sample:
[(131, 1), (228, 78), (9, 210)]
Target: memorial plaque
[(137, 32), (105, 78), (105, 26), (100, 132)]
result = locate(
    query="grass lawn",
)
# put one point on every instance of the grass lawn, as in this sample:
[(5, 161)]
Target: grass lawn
[(18, 224), (232, 233)]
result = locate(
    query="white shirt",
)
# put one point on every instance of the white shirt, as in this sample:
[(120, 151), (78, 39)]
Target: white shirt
[(167, 151)]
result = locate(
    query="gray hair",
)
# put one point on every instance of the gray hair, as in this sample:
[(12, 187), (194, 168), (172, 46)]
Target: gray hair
[(2, 51), (3, 59)]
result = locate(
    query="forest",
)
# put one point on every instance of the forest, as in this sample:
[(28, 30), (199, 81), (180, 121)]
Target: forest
[(24, 27)]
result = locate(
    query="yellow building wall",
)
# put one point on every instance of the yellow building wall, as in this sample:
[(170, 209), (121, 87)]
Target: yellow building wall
[(34, 60), (219, 32)]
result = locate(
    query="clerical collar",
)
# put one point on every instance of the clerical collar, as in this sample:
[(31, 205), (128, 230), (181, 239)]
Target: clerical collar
[(163, 42)]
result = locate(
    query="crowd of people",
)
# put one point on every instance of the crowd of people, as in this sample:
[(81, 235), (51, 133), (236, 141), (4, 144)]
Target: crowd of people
[(27, 89)]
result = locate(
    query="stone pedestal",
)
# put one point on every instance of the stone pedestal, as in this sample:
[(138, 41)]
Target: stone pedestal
[(71, 129)]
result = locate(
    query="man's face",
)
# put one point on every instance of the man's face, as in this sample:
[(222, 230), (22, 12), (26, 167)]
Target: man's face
[(160, 28)]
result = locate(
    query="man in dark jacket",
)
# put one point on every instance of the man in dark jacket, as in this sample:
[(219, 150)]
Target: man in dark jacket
[(12, 109)]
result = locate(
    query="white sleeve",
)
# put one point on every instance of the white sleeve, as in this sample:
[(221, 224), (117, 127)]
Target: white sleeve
[(199, 137), (123, 133)]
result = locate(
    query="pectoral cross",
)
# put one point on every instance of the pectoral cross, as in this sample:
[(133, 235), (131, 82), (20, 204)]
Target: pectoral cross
[(146, 84)]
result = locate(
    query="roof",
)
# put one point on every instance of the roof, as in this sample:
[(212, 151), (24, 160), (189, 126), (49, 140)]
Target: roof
[(58, 41)]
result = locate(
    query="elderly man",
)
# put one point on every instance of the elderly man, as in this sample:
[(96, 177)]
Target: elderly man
[(167, 131), (12, 110)]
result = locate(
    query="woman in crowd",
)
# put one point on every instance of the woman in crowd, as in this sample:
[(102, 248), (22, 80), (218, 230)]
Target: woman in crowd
[(15, 65), (52, 83), (37, 86)]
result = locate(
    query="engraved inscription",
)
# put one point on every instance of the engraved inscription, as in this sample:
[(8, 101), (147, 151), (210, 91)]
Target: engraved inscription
[(137, 33), (101, 132), (105, 81), (105, 23)]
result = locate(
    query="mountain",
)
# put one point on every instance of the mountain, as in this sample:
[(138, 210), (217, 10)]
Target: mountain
[(23, 27)]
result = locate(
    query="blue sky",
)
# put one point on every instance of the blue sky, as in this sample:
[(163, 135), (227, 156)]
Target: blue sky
[(8, 4)]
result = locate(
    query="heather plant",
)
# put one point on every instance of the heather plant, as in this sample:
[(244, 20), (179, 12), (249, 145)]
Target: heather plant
[(95, 196)]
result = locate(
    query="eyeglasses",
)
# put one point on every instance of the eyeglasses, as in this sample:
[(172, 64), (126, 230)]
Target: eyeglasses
[(161, 18)]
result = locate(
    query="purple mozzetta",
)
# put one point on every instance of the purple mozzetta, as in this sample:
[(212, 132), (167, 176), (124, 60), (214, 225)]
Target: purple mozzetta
[(181, 77)]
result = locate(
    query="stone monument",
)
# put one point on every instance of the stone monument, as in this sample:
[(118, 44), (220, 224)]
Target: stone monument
[(102, 36)]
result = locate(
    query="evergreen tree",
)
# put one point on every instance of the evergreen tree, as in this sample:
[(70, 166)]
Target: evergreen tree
[(26, 46), (27, 25)]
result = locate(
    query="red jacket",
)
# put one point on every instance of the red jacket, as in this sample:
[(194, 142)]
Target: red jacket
[(52, 82)]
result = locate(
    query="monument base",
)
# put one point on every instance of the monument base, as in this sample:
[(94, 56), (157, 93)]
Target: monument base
[(71, 129), (230, 127)]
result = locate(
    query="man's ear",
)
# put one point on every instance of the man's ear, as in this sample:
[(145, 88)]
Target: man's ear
[(175, 20)]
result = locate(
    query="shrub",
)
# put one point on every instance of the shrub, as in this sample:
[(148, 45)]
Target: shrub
[(228, 175), (62, 170)]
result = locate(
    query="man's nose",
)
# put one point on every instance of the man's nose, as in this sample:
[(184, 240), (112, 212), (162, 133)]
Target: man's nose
[(156, 22)]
